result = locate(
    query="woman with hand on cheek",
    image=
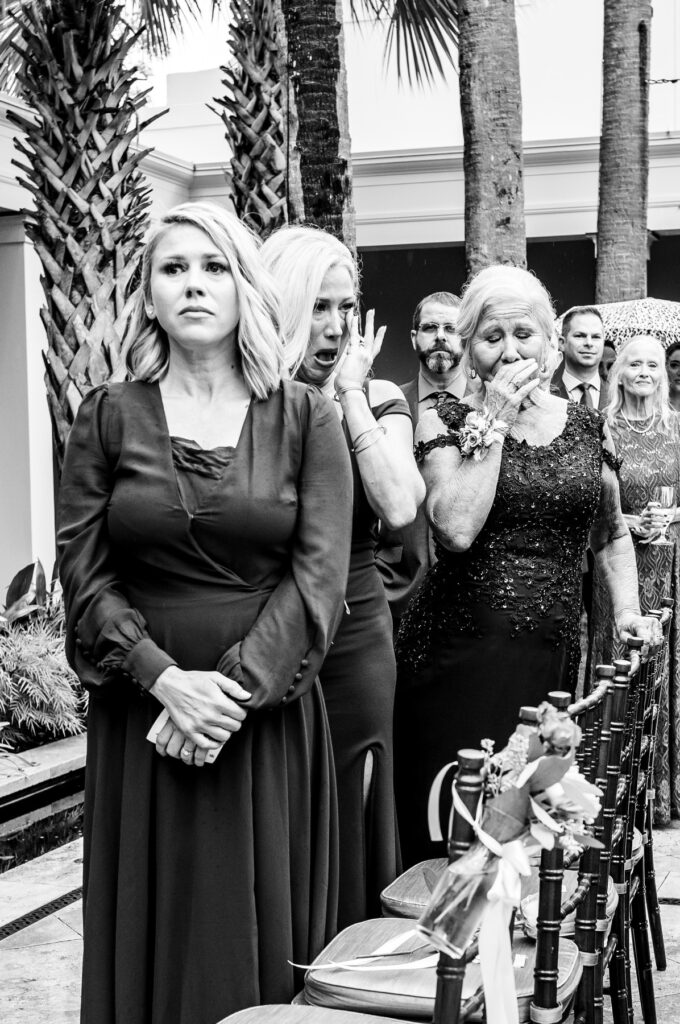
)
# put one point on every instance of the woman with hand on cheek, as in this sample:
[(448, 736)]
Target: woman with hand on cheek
[(318, 279), (518, 482), (203, 548)]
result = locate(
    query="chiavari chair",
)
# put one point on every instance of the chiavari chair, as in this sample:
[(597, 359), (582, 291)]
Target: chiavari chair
[(658, 669), (546, 972)]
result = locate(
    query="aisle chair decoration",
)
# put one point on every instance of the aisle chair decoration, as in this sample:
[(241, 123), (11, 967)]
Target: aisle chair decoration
[(535, 796)]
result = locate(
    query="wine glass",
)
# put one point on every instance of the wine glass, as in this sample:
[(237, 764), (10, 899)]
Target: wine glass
[(666, 498)]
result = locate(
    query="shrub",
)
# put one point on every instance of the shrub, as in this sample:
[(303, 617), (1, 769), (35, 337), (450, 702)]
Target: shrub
[(41, 698)]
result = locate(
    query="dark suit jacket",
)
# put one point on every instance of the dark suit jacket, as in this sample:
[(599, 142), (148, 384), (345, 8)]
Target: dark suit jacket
[(557, 387), (403, 556)]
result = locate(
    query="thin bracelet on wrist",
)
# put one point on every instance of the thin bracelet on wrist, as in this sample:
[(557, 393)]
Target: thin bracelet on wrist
[(367, 438), (340, 389)]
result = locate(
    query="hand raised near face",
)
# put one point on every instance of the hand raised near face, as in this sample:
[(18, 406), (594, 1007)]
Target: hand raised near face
[(509, 387), (360, 352)]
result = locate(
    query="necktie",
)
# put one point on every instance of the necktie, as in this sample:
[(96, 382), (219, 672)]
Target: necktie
[(586, 398), (438, 397)]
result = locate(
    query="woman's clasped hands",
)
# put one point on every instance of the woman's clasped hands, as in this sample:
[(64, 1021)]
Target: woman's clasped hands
[(509, 387), (205, 709)]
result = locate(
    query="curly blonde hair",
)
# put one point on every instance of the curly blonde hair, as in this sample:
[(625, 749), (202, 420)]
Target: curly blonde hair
[(146, 349)]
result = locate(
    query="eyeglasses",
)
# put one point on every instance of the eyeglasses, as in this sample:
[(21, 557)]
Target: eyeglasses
[(429, 328)]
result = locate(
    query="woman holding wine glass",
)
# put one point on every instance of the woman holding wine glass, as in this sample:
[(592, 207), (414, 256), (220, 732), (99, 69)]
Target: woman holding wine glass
[(646, 433), (673, 371)]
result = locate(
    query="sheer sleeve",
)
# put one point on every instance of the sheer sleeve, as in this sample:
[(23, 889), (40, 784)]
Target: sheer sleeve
[(283, 651), (106, 638), (452, 413), (609, 456)]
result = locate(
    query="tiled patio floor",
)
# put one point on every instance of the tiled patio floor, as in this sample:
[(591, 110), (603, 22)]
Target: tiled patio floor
[(40, 964)]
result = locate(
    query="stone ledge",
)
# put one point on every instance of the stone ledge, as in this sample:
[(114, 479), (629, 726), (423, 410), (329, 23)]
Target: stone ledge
[(40, 764)]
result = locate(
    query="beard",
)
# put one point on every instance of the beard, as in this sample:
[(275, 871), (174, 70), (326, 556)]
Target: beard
[(440, 359)]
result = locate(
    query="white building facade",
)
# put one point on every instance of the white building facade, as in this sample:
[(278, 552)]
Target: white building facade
[(408, 194)]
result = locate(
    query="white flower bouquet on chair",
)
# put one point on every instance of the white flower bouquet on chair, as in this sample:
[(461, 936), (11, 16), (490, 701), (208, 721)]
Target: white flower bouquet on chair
[(535, 796)]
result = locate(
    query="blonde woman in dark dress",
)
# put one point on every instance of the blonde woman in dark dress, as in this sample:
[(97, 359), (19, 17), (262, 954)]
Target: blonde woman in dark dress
[(204, 544), (519, 481), (319, 290)]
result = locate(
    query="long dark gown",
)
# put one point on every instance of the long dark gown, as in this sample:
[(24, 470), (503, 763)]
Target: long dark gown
[(358, 680), (201, 884), (495, 627)]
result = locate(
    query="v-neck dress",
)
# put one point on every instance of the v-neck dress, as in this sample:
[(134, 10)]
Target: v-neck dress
[(201, 884)]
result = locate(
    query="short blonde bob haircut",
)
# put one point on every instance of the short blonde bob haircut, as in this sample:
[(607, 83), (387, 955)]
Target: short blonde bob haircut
[(661, 405), (146, 348), (497, 286), (299, 258)]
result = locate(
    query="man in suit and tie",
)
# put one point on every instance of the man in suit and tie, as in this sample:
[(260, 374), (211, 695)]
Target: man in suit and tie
[(404, 556), (578, 376)]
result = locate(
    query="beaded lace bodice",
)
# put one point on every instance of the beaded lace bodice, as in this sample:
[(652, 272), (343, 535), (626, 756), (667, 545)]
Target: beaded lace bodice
[(525, 563)]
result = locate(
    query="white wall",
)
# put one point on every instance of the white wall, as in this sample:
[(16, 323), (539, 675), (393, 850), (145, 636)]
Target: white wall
[(26, 505)]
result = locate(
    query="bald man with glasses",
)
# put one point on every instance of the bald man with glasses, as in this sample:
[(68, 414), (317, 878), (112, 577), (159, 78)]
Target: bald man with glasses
[(404, 556)]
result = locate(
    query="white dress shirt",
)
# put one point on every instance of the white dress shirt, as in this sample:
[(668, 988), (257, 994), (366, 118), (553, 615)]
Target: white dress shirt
[(573, 386)]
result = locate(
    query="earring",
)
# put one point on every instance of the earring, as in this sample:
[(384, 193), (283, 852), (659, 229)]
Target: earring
[(472, 373), (150, 312), (543, 367)]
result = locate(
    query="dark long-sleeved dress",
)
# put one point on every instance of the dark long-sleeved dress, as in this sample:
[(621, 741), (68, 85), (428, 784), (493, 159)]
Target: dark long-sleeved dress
[(358, 680), (497, 626), (200, 884)]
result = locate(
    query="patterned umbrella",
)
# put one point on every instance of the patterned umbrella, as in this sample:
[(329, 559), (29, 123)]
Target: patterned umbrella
[(658, 317)]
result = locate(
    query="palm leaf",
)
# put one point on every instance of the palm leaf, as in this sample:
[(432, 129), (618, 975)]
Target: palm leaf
[(163, 19), (420, 32), (160, 20)]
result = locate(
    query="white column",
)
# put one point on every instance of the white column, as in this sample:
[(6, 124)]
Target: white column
[(26, 487)]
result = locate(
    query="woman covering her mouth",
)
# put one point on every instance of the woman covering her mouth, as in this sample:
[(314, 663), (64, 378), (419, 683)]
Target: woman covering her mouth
[(318, 279), (518, 482)]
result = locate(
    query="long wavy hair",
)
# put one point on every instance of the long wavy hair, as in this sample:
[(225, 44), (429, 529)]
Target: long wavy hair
[(497, 285), (661, 405), (299, 258), (146, 349)]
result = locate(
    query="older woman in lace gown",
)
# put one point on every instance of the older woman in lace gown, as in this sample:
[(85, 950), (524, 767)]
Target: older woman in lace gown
[(518, 481), (646, 432)]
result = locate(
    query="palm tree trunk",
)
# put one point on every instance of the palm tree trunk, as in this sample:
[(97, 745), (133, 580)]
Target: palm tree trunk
[(258, 112), (316, 64), (491, 110), (90, 201), (624, 152)]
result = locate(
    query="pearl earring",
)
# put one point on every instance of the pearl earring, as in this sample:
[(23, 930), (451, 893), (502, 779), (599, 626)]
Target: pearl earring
[(473, 373), (543, 367), (150, 312)]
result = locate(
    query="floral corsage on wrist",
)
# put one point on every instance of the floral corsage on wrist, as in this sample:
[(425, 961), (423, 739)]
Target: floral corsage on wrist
[(479, 432)]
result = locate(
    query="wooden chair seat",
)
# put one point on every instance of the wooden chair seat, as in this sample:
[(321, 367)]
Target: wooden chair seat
[(283, 1014), (410, 994)]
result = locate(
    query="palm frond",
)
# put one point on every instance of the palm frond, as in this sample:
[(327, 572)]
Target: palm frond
[(160, 21), (163, 19), (420, 33)]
